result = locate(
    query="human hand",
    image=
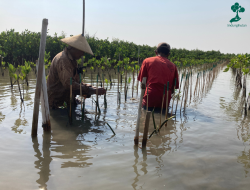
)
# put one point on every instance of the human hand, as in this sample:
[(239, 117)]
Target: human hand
[(87, 85), (100, 91)]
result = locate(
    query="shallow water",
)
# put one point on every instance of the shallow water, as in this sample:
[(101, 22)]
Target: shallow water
[(205, 148)]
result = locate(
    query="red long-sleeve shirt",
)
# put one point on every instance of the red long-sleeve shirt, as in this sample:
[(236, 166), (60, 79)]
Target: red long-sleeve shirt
[(158, 70)]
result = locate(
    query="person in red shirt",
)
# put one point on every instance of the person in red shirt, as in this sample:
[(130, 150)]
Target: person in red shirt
[(159, 71)]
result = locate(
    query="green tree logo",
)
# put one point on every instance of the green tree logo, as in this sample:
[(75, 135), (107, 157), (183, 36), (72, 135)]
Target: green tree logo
[(236, 8)]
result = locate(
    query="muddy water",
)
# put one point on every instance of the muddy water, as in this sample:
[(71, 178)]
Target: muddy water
[(205, 148)]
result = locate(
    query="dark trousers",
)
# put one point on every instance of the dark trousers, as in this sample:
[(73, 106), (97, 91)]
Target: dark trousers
[(156, 110)]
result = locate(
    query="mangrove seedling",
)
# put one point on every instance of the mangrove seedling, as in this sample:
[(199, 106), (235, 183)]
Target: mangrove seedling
[(17, 77), (12, 71), (25, 70)]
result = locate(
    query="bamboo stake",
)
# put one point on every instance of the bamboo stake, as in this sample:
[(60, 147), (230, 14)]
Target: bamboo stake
[(70, 104), (39, 78), (125, 88), (96, 93), (118, 93), (166, 114), (137, 69), (183, 92), (196, 84), (102, 79), (162, 101), (83, 20), (110, 128), (145, 133), (178, 95), (186, 91), (45, 104), (80, 89), (191, 87), (143, 87), (133, 81), (147, 97), (173, 98)]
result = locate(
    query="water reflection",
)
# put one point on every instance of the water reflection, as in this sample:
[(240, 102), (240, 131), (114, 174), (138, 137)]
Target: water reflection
[(67, 142), (70, 141), (158, 145), (234, 109), (244, 159), (44, 160), (136, 163), (2, 117), (136, 155), (21, 121)]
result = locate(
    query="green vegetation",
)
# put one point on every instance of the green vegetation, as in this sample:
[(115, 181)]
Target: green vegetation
[(16, 47)]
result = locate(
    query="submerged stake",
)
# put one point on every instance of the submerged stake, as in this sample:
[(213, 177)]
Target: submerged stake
[(111, 128)]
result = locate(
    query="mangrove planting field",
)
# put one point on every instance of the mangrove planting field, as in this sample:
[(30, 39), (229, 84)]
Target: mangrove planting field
[(205, 143)]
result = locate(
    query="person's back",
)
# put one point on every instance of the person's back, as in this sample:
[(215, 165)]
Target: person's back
[(159, 71)]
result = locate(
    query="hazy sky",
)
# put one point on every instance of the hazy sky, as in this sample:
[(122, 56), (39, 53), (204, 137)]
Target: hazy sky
[(185, 24)]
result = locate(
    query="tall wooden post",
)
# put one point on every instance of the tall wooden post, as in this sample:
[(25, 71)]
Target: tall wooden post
[(143, 88), (137, 69), (83, 18), (97, 102), (39, 77), (118, 93), (45, 104)]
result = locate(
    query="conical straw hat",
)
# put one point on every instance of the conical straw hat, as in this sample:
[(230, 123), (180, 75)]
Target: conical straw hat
[(79, 42)]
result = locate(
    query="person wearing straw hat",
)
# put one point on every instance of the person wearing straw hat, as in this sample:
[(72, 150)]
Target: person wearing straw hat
[(63, 67), (159, 71)]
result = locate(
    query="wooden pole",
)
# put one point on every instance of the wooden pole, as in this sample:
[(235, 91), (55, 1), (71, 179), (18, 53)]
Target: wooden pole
[(118, 94), (133, 81), (173, 98), (83, 18), (162, 102), (166, 114), (96, 93), (147, 97), (70, 104), (178, 95), (137, 70), (45, 104), (125, 88), (39, 78), (80, 89), (143, 87), (83, 25), (145, 133)]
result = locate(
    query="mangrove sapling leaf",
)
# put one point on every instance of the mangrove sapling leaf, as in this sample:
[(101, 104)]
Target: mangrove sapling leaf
[(129, 80), (46, 57), (107, 82), (12, 71)]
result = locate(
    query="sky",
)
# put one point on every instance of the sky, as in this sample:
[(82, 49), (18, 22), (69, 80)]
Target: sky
[(193, 24)]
